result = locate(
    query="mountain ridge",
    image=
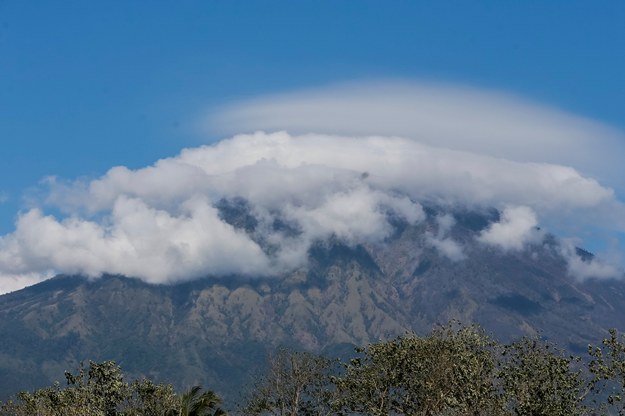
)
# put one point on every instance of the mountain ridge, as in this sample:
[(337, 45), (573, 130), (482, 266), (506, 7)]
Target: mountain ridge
[(218, 331)]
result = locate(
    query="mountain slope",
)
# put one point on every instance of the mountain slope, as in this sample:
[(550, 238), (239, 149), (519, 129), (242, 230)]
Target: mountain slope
[(218, 331)]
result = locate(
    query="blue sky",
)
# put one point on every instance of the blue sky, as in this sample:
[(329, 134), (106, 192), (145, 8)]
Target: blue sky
[(85, 86)]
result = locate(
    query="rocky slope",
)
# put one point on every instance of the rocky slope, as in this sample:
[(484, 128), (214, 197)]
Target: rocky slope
[(218, 331)]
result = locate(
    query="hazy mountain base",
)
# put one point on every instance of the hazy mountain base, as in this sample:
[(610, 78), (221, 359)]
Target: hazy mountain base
[(217, 332)]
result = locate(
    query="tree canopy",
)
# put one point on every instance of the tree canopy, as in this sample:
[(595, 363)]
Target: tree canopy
[(455, 370)]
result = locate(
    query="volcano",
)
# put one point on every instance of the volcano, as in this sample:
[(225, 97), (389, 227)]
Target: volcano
[(219, 331)]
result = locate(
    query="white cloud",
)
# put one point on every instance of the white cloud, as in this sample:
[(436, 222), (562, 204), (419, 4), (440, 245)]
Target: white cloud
[(160, 223), (272, 169), (517, 227), (354, 216), (135, 240), (587, 268), (445, 223), (440, 240), (448, 248), (12, 282), (442, 115)]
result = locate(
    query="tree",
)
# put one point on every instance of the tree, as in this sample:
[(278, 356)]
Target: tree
[(94, 391), (103, 387), (452, 371), (100, 390), (150, 399), (195, 403), (538, 379), (608, 371), (297, 383)]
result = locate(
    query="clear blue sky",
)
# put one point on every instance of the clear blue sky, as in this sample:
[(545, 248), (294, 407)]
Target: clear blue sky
[(87, 85)]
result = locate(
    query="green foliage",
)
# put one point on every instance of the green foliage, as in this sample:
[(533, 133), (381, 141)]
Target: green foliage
[(195, 403), (453, 371), (608, 370), (101, 387), (538, 379), (100, 390), (150, 399), (450, 372), (96, 391)]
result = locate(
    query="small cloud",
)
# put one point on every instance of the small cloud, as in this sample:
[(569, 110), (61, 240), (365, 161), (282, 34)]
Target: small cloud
[(445, 245), (356, 216), (585, 268), (517, 227), (448, 248), (445, 223), (4, 197)]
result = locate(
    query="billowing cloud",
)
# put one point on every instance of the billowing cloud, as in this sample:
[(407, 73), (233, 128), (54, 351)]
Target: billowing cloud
[(161, 224), (253, 204), (134, 240), (274, 169)]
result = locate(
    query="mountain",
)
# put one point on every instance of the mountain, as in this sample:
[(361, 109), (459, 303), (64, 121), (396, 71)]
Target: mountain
[(218, 331)]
